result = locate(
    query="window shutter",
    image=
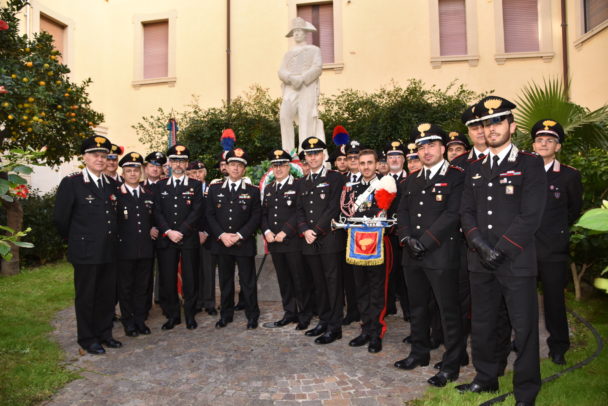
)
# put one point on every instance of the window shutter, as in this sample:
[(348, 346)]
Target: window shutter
[(452, 27), (596, 12), (520, 19), (156, 50), (322, 17), (57, 31)]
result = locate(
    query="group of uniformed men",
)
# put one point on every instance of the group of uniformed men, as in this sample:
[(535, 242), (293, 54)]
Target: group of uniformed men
[(473, 233)]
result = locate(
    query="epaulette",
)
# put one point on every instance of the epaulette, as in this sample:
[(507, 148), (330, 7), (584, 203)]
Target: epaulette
[(478, 159), (531, 153), (458, 156), (71, 175), (216, 181), (568, 166), (457, 168), (416, 171)]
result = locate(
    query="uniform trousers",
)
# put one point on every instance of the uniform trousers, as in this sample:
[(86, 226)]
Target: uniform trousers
[(328, 280), (293, 285), (397, 289), (95, 286), (350, 291), (519, 293), (371, 299), (554, 278), (206, 279), (247, 280), (133, 282), (168, 260), (422, 283)]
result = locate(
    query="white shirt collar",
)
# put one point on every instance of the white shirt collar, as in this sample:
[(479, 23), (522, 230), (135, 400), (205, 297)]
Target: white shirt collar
[(549, 165), (435, 168), (501, 155), (130, 189), (181, 180), (93, 177), (478, 152), (283, 182), (237, 183)]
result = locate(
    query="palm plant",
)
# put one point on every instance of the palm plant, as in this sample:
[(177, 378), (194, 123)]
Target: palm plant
[(585, 129)]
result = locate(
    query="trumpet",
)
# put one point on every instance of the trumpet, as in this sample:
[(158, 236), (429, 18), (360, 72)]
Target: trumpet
[(364, 222)]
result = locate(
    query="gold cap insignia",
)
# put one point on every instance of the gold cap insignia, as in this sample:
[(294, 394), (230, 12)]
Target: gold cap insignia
[(278, 153), (313, 141), (453, 135), (422, 128), (180, 149), (99, 141), (548, 123), (395, 144), (134, 156), (411, 147), (238, 152), (492, 104)]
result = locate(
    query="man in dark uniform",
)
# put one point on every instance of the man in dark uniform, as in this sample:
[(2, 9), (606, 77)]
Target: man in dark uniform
[(232, 216), (111, 169), (178, 206), (397, 289), (370, 279), (353, 176), (153, 172), (338, 159), (564, 202), (412, 158), (323, 249), (477, 136), (502, 206), (279, 225), (136, 235), (457, 145), (85, 215), (428, 226)]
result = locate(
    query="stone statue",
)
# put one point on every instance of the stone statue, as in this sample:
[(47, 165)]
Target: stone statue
[(302, 65)]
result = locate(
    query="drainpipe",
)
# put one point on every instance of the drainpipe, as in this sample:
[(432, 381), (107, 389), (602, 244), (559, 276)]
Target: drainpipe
[(565, 62), (228, 83)]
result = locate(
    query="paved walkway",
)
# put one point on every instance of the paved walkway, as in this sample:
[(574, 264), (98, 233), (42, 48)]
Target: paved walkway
[(233, 366)]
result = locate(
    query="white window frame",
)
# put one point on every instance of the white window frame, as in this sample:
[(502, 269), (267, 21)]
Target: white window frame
[(545, 37), (138, 48), (37, 9), (581, 35), (472, 56), (338, 63)]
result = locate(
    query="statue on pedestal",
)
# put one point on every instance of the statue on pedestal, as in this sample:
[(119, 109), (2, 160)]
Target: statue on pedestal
[(302, 65)]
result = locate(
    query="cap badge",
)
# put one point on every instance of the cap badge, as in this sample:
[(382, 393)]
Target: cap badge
[(453, 135), (278, 153), (180, 149), (548, 123), (238, 152), (312, 142), (422, 128), (99, 141), (492, 104), (134, 156), (411, 147), (395, 144)]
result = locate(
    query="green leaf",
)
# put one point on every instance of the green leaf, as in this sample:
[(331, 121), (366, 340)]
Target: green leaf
[(7, 229), (594, 219), (16, 179), (23, 244), (7, 198), (5, 249), (22, 169)]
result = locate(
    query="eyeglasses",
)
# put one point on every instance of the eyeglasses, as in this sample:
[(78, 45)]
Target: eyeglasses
[(493, 120)]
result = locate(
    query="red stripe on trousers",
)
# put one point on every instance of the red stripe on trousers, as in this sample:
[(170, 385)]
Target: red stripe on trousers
[(388, 262)]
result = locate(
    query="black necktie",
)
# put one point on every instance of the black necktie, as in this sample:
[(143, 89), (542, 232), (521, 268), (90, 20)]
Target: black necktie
[(233, 187), (481, 156), (314, 176), (396, 177), (178, 183), (427, 174), (279, 186), (134, 191), (99, 184), (494, 170)]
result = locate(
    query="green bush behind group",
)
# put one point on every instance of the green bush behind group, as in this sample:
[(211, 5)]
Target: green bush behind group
[(372, 119)]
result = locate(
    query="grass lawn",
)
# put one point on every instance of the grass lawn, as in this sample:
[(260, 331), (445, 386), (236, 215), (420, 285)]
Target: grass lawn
[(31, 364), (583, 387)]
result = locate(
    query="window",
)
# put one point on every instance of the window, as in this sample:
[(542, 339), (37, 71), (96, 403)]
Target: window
[(520, 19), (156, 49), (322, 17), (452, 27), (596, 12), (57, 31)]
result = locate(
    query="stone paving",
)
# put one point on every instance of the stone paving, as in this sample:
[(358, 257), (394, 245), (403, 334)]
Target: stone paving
[(233, 366)]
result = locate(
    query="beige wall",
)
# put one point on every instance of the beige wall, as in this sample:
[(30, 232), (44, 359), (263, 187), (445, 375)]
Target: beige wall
[(383, 41)]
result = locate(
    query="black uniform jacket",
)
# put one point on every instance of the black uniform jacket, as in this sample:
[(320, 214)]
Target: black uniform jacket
[(135, 219), (564, 202), (178, 208), (429, 211), (279, 214), (392, 231), (318, 203), (505, 209), (237, 212), (86, 217)]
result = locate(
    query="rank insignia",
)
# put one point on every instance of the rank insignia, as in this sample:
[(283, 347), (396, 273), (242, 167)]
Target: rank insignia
[(503, 180), (509, 189), (477, 176), (439, 198), (219, 205), (289, 202), (556, 194), (89, 198), (322, 195)]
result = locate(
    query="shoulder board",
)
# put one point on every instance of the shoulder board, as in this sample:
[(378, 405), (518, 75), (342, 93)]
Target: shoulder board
[(478, 159), (570, 167), (458, 156), (73, 174), (458, 168), (410, 174), (530, 153), (216, 181)]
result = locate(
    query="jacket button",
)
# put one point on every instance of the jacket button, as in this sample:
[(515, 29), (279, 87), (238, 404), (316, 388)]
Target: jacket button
[(417, 227), (490, 184), (489, 197), (424, 192), (489, 226), (419, 215), (422, 203), (489, 212), (175, 205), (311, 211), (275, 223)]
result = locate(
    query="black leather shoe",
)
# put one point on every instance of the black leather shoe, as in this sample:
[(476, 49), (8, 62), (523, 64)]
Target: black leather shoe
[(558, 359), (111, 343), (211, 311), (329, 337), (359, 341), (317, 331), (302, 325), (222, 322), (407, 340), (284, 321), (131, 332), (441, 379), (350, 318), (252, 324), (375, 345), (191, 324), (169, 324), (412, 362), (239, 306), (143, 329), (476, 388), (95, 349)]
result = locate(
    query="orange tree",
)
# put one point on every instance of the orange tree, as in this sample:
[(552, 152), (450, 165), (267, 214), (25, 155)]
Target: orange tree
[(39, 105)]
